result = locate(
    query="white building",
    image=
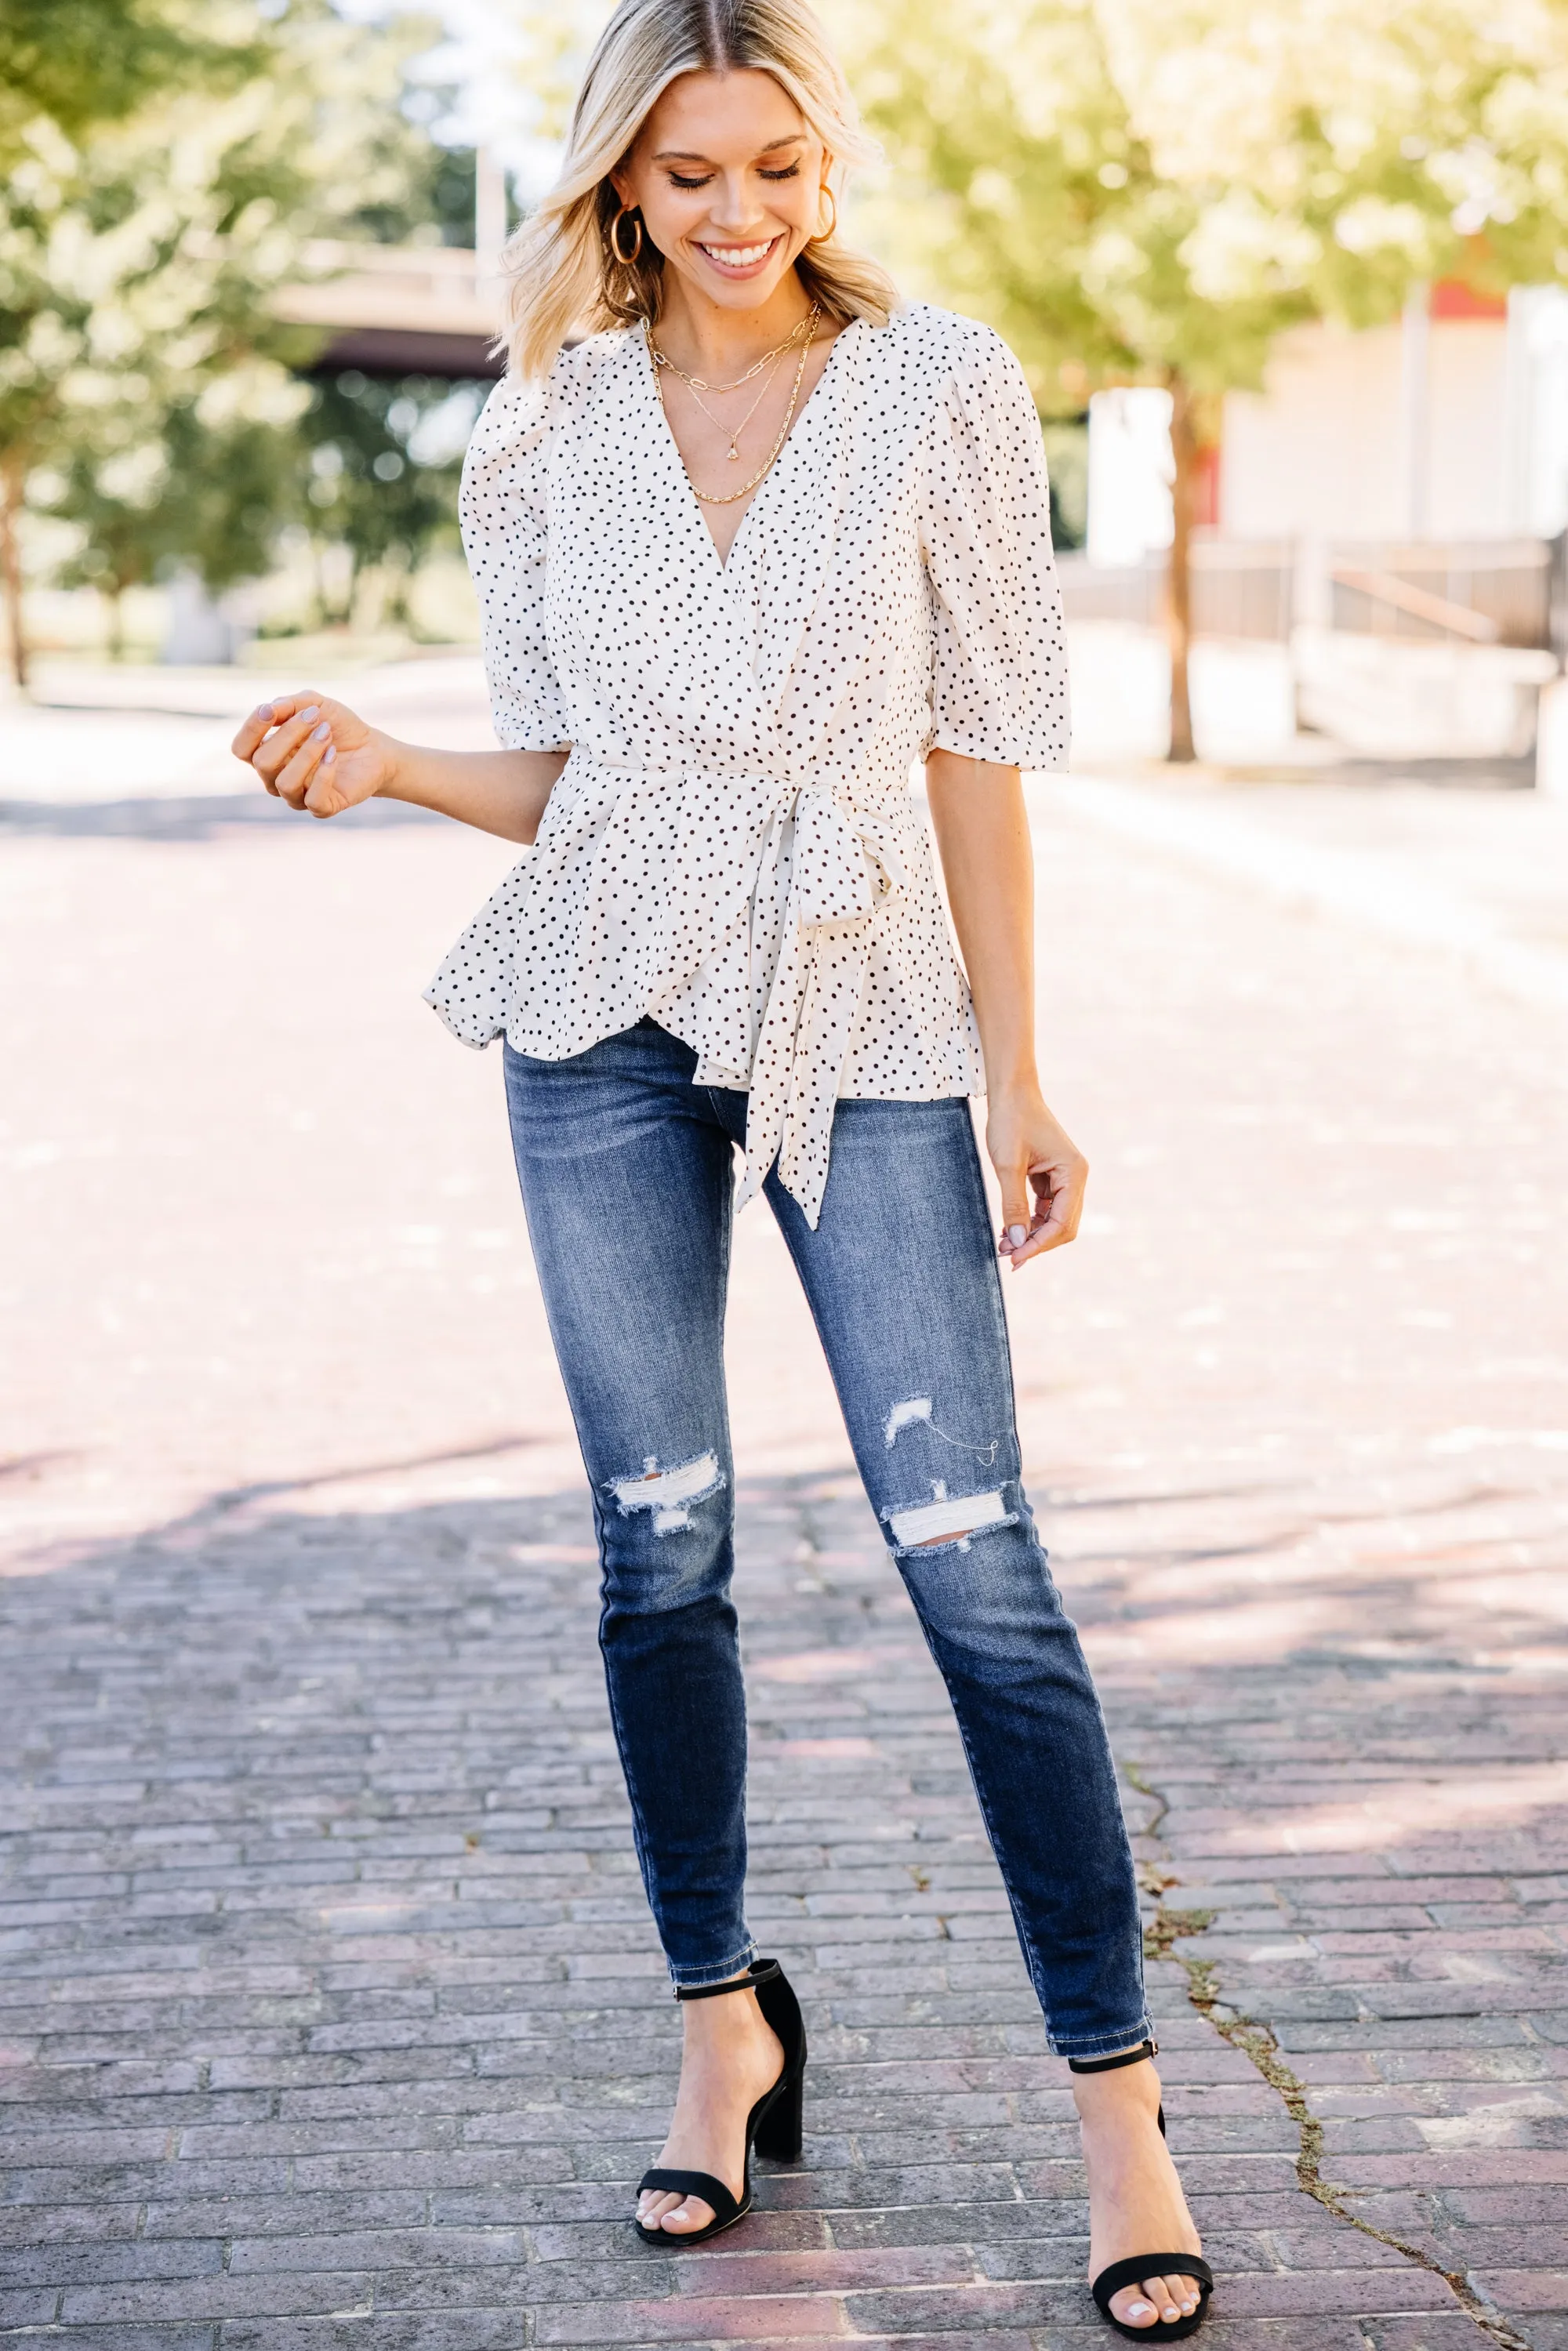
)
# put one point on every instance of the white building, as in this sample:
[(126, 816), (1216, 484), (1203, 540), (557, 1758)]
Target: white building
[(1450, 424)]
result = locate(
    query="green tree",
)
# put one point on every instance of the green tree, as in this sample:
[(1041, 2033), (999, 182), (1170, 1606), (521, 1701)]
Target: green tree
[(83, 62), (1137, 192), (137, 268), (376, 489), (434, 206), (211, 491)]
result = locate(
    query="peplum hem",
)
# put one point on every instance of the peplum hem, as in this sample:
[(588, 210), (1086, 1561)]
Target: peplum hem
[(766, 953)]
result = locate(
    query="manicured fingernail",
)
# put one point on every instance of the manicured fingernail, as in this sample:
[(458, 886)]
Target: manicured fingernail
[(320, 732), (266, 711), (329, 754), (314, 711), (1017, 1236)]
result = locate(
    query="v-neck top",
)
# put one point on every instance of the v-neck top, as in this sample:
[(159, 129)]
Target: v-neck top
[(733, 847)]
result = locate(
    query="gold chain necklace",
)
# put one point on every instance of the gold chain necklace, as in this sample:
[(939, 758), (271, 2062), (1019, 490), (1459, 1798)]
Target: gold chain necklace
[(700, 383), (733, 497), (735, 436)]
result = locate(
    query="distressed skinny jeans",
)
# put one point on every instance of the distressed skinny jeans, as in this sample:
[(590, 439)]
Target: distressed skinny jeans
[(626, 1171)]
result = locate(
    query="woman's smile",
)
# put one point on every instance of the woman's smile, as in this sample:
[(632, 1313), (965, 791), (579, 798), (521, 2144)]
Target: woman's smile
[(740, 260)]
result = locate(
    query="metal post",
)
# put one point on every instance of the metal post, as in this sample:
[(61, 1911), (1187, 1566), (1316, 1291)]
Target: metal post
[(1415, 409), (489, 204), (1557, 598), (1517, 404)]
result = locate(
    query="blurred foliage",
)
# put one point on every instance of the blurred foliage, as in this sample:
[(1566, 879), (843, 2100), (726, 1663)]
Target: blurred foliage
[(434, 204), (81, 62), (382, 484), (437, 200), (140, 367), (210, 495), (1152, 190), (1131, 190), (1067, 461)]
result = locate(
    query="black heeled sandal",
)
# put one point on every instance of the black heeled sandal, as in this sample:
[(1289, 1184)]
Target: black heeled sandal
[(1116, 2276), (774, 2125)]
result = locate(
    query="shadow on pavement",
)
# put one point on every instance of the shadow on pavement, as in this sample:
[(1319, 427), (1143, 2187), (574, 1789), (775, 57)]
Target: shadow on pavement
[(202, 818), (332, 1986)]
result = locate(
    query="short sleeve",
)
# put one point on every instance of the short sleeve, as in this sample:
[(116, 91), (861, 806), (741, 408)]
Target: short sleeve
[(502, 509), (999, 687)]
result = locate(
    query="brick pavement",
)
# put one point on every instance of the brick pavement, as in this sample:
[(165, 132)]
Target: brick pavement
[(332, 2013)]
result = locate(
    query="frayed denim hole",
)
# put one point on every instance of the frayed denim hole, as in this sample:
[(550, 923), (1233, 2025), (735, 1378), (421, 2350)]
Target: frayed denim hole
[(667, 1494), (946, 1522), (919, 1412)]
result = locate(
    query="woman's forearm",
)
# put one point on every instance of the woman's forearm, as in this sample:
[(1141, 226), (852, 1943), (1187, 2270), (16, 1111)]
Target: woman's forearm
[(503, 792), (982, 831)]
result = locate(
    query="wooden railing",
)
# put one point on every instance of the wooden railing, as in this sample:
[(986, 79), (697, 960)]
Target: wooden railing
[(1478, 592), (431, 289)]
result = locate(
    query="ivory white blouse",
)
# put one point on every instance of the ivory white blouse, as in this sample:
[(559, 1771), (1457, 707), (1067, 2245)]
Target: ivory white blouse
[(733, 847)]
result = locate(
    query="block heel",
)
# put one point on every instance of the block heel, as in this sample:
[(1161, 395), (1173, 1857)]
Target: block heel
[(774, 2126), (780, 2129)]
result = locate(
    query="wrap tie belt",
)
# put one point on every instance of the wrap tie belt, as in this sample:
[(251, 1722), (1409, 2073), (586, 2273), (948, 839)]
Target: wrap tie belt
[(838, 864), (643, 881)]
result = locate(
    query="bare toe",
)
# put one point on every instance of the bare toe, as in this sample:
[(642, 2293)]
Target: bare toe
[(1133, 2307), (692, 2213), (1158, 2300)]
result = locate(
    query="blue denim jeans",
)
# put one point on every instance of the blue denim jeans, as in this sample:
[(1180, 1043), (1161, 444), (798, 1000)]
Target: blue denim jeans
[(626, 1171)]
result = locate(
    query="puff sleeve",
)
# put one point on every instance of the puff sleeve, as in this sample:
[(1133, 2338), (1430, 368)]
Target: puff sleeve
[(503, 510), (999, 683)]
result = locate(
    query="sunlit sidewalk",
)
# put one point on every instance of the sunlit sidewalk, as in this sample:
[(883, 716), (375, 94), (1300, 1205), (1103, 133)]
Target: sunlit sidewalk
[(332, 2013)]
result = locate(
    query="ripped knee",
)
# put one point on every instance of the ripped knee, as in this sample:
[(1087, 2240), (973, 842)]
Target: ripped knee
[(667, 1494), (947, 1520)]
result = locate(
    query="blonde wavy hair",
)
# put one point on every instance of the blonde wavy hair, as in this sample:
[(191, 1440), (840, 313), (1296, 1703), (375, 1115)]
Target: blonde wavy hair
[(562, 270)]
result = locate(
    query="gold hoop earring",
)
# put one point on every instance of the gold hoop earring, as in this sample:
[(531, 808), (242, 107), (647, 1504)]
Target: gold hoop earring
[(822, 235), (625, 259)]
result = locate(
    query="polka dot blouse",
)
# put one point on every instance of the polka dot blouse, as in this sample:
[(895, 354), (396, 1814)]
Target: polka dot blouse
[(733, 847)]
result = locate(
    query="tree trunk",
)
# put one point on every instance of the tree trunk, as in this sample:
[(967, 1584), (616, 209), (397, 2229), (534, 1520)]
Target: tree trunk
[(1185, 450), (11, 570), (114, 614)]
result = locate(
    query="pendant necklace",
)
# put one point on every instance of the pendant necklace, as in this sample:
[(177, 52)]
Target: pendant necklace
[(739, 429), (770, 360), (733, 497)]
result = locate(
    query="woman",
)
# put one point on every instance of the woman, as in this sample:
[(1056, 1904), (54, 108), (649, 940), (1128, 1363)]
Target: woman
[(743, 554)]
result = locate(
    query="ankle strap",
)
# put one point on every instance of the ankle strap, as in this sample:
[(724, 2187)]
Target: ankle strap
[(1138, 2056), (760, 1971)]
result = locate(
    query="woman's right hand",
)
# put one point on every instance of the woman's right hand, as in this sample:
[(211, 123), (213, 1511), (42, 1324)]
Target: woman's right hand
[(315, 753)]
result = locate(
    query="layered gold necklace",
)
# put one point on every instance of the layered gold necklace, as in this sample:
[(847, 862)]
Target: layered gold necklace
[(802, 333), (701, 383), (739, 429)]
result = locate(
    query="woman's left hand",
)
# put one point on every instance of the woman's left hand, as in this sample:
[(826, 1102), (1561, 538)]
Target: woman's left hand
[(1041, 1172)]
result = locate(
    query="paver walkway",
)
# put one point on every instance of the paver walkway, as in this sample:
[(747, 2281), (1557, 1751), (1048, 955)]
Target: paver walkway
[(332, 2013)]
